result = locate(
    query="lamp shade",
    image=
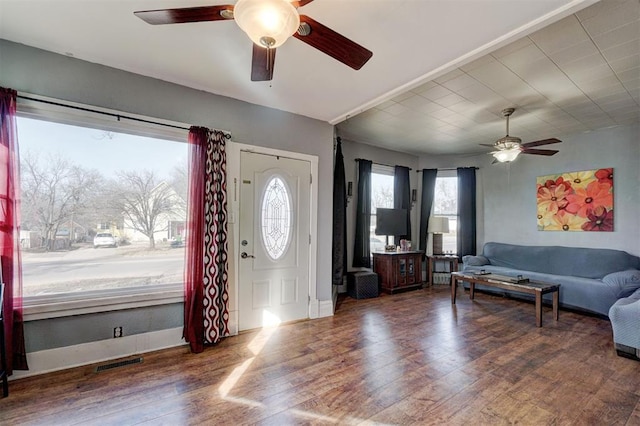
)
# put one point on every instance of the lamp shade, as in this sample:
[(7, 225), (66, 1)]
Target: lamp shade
[(268, 23), (438, 225), (506, 155)]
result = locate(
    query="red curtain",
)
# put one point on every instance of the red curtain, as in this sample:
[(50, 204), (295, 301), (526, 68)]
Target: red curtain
[(10, 232), (206, 311)]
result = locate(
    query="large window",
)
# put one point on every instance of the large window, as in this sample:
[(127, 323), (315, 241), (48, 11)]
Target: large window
[(381, 196), (101, 210), (445, 203)]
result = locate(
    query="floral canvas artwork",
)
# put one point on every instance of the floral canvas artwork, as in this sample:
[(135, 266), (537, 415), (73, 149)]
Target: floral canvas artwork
[(576, 201)]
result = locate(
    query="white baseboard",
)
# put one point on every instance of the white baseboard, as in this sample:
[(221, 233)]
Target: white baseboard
[(325, 308), (103, 350)]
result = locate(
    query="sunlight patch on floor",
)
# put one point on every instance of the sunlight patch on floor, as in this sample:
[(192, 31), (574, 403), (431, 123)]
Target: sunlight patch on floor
[(255, 346)]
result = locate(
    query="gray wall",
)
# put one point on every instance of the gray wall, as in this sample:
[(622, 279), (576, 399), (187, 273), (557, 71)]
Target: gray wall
[(44, 73), (506, 193), (353, 150)]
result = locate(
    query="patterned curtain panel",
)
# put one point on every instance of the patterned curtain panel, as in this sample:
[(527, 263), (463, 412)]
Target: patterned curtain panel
[(11, 267), (206, 310)]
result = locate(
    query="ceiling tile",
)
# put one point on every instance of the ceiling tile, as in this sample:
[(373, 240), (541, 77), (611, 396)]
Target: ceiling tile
[(629, 75), (575, 52), (482, 61), (523, 58), (436, 93), (512, 47), (424, 87), (560, 35), (449, 100), (396, 109), (603, 6), (622, 51), (385, 104), (627, 63), (460, 82), (464, 106), (448, 76), (610, 82), (421, 104), (620, 35), (401, 97), (625, 13)]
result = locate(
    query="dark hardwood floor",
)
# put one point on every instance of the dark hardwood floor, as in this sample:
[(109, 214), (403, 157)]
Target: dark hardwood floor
[(409, 358)]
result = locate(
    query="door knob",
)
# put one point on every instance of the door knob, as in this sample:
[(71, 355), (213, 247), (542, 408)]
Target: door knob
[(244, 255)]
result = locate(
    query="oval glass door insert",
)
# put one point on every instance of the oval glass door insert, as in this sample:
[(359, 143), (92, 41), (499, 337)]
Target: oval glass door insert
[(276, 215)]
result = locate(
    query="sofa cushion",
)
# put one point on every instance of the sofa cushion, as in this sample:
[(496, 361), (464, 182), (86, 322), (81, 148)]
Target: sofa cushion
[(626, 282), (475, 260), (557, 260)]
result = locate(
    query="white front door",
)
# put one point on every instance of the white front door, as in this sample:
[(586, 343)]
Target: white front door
[(273, 284)]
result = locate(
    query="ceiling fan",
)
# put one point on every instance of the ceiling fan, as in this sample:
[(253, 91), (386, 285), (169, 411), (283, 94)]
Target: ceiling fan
[(508, 148), (268, 23)]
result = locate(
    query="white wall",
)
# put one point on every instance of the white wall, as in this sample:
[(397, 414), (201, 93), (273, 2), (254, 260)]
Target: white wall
[(507, 193)]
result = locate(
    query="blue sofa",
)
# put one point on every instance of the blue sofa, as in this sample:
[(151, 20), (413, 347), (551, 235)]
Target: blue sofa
[(591, 280), (625, 321)]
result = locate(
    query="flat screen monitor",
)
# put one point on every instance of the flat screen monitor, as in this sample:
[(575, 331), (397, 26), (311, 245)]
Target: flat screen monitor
[(391, 221)]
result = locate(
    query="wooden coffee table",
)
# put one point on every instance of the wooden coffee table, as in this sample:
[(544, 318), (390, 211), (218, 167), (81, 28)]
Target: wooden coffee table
[(537, 288)]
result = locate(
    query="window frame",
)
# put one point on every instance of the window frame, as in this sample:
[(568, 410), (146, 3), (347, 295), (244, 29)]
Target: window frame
[(94, 301), (447, 174), (381, 169)]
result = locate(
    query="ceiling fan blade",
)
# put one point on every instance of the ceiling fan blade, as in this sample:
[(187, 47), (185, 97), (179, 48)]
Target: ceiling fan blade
[(333, 44), (541, 142), (300, 3), (262, 63), (186, 14), (539, 151), (489, 145)]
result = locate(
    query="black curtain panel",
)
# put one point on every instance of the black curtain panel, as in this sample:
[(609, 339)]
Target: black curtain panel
[(361, 248), (339, 262), (428, 190), (466, 211), (402, 197)]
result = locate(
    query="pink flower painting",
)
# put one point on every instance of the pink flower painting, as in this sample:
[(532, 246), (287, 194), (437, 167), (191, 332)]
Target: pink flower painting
[(576, 201)]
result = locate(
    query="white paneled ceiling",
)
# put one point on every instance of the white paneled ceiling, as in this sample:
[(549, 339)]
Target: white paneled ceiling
[(441, 72), (578, 74)]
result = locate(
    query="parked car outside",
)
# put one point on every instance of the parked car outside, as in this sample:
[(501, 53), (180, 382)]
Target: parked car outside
[(105, 239)]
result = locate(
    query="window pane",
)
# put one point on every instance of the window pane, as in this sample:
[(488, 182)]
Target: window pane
[(445, 200), (445, 203), (100, 209), (381, 196), (276, 218)]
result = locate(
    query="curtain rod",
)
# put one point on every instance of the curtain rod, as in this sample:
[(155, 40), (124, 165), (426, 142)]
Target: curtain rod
[(476, 168), (227, 135), (379, 164)]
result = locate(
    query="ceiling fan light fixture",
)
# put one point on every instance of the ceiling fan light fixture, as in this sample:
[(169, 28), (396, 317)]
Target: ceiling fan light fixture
[(506, 155), (268, 23)]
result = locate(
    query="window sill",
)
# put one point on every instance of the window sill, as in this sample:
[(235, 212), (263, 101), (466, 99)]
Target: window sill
[(56, 306)]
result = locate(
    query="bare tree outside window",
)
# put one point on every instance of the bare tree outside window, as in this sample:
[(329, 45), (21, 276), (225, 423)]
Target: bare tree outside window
[(55, 194), (146, 202)]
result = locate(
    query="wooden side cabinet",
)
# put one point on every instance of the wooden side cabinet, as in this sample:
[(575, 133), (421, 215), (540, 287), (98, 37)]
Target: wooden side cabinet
[(443, 260), (398, 271)]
